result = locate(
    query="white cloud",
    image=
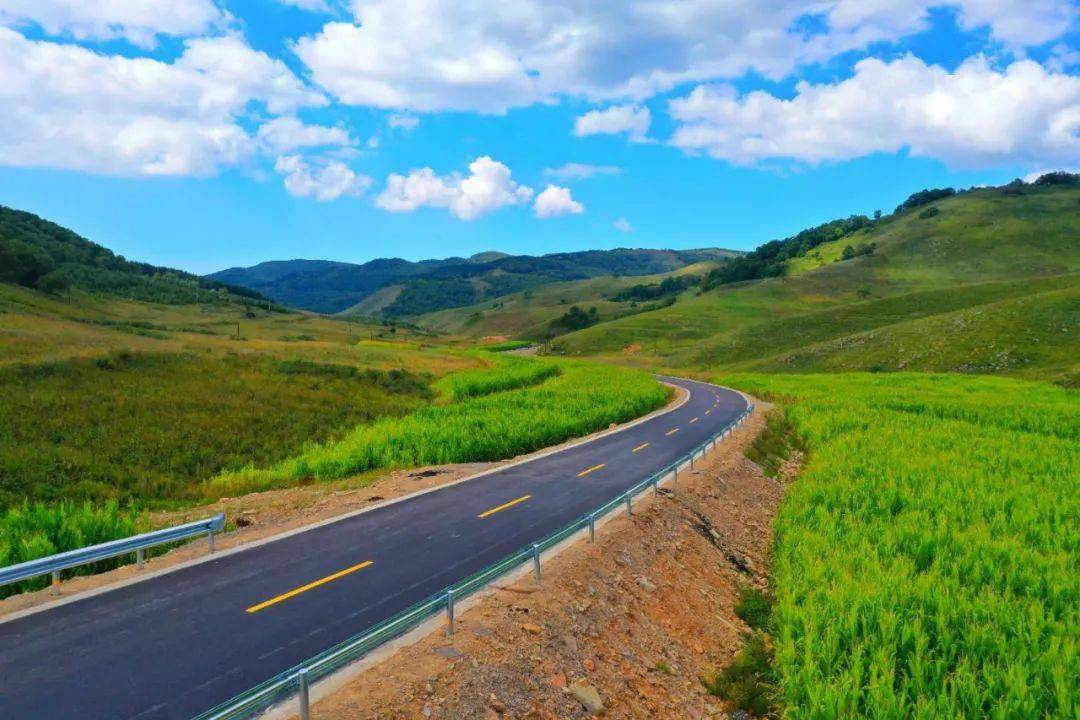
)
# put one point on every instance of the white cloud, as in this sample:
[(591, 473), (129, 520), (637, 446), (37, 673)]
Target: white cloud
[(623, 225), (311, 5), (630, 119), (556, 201), (427, 55), (287, 133), (973, 117), (68, 107), (403, 121), (488, 187), (138, 21), (325, 180), (580, 171)]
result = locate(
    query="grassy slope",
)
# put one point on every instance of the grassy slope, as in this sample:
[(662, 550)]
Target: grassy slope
[(982, 264), (528, 314), (108, 398)]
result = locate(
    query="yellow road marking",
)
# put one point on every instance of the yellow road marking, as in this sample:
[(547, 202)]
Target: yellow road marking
[(672, 432), (693, 421), (309, 586), (512, 503), (642, 446), (594, 468)]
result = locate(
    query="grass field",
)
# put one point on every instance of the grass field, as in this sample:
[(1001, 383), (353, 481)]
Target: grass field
[(580, 399), (948, 293), (508, 373), (926, 560), (527, 314)]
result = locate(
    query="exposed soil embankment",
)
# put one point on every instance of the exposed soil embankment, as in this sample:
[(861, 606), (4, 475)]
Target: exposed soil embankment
[(625, 627)]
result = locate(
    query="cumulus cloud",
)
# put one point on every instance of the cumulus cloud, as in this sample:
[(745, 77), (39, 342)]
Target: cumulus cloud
[(68, 107), (623, 225), (581, 171), (321, 179), (403, 121), (556, 201), (287, 133), (974, 117), (427, 55), (488, 187), (138, 21), (630, 119), (311, 5)]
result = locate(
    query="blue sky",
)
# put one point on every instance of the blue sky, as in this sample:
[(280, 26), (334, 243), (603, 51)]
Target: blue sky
[(203, 134)]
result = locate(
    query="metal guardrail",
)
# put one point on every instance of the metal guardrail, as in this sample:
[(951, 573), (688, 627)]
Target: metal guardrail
[(296, 680), (53, 564)]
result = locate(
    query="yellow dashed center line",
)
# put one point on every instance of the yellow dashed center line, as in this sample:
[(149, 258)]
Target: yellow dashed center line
[(594, 468), (309, 586), (693, 421), (672, 432), (640, 447), (510, 504)]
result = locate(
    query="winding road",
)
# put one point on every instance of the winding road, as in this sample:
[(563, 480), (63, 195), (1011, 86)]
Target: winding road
[(179, 643)]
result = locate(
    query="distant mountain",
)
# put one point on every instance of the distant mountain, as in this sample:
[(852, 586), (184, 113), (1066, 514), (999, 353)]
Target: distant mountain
[(430, 285), (40, 254)]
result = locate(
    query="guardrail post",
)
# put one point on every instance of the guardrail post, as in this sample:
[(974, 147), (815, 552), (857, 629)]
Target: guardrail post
[(55, 590), (629, 508), (140, 557), (592, 528), (210, 534), (305, 700), (536, 562), (449, 612)]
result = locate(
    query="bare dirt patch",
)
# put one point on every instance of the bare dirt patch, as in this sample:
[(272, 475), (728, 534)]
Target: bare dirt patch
[(625, 627)]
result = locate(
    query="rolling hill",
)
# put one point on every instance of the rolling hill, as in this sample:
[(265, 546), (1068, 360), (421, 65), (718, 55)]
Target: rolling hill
[(982, 281), (39, 254), (433, 285)]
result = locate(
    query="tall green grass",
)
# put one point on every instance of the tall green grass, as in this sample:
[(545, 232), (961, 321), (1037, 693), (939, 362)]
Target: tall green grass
[(508, 373), (34, 530), (927, 562), (581, 399)]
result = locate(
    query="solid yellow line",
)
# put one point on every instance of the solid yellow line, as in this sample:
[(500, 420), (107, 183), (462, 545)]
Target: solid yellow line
[(512, 503), (693, 421), (594, 468), (642, 446), (672, 432), (309, 586)]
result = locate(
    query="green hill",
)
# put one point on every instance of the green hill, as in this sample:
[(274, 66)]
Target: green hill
[(42, 255), (529, 314), (433, 285), (985, 280)]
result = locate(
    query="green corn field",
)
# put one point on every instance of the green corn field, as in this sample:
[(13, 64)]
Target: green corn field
[(927, 560), (508, 373), (578, 399)]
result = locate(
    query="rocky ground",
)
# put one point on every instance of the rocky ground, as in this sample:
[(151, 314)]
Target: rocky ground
[(624, 627)]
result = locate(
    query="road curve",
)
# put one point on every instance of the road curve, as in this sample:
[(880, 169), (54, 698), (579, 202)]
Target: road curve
[(180, 643)]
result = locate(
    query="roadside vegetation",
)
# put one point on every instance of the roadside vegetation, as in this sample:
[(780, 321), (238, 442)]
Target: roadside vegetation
[(925, 561), (32, 530), (580, 399), (507, 373)]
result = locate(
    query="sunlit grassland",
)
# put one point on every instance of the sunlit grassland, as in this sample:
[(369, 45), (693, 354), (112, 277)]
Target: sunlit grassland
[(34, 530), (507, 373), (151, 427), (926, 560), (581, 399)]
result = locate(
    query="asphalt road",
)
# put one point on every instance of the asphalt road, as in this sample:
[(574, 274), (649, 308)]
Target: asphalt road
[(178, 644)]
